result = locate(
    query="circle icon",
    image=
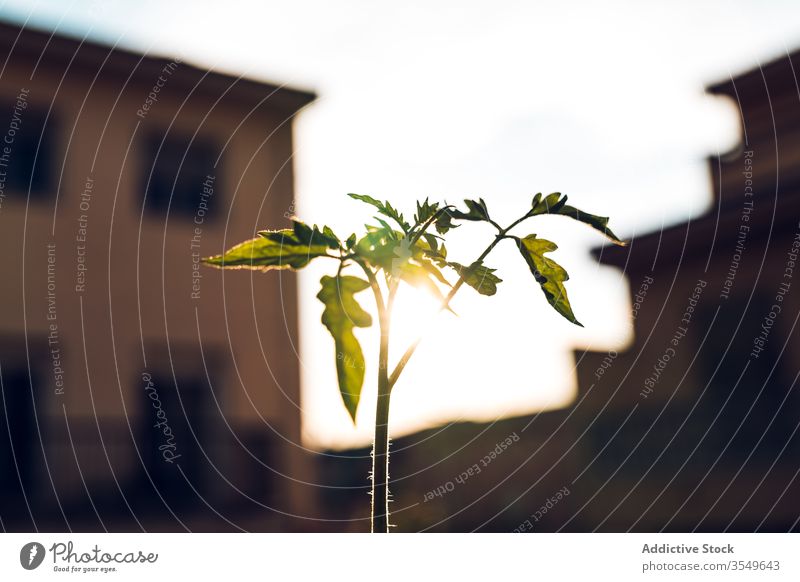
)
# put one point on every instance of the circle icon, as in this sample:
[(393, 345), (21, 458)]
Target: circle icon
[(31, 555)]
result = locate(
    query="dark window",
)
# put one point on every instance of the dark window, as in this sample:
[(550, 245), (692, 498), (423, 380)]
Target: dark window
[(20, 448), (28, 152), (176, 172), (177, 432), (760, 417)]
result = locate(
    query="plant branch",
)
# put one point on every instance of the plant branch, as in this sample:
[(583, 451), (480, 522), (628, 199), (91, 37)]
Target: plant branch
[(376, 288), (416, 236)]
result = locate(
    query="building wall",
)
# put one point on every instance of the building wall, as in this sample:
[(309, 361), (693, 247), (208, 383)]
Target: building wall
[(134, 310)]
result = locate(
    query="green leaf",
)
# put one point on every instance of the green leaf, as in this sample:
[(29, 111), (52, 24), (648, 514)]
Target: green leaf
[(444, 222), (368, 199), (331, 236), (556, 204), (551, 203), (304, 234), (351, 241), (271, 250), (425, 211), (284, 236), (432, 240), (549, 274), (438, 256), (599, 223), (384, 208), (476, 211), (342, 313), (478, 276), (390, 232), (379, 247)]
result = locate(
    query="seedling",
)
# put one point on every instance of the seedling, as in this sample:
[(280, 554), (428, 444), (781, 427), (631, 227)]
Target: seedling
[(411, 252)]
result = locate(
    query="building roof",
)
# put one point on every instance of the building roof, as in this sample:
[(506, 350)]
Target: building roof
[(778, 75), (755, 91), (51, 49)]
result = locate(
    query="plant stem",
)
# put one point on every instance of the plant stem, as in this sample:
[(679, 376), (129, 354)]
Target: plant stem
[(379, 515), (380, 447)]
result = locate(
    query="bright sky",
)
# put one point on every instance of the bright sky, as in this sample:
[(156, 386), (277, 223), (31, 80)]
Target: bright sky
[(455, 99)]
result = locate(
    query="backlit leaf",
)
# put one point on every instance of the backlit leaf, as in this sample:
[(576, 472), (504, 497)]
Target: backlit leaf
[(550, 204), (384, 208), (307, 235), (444, 222), (425, 211), (476, 211), (478, 276), (342, 313), (555, 203), (270, 250), (379, 247), (549, 274), (599, 223)]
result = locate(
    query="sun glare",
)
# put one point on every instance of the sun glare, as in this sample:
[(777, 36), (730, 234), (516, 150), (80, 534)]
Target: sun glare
[(415, 313)]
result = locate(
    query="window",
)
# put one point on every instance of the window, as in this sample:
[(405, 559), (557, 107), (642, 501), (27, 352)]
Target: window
[(760, 417), (28, 150), (177, 171), (178, 428), (20, 448)]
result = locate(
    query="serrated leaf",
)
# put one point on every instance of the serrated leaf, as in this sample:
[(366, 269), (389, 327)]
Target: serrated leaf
[(378, 247), (423, 251), (555, 203), (331, 236), (384, 208), (271, 250), (302, 232), (284, 236), (439, 256), (478, 276), (388, 229), (342, 313), (307, 235), (351, 241), (549, 274), (425, 211), (476, 211), (444, 222), (599, 223), (432, 241), (550, 204), (368, 199)]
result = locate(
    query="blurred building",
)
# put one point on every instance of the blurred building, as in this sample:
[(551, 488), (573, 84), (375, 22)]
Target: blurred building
[(694, 427), (140, 391)]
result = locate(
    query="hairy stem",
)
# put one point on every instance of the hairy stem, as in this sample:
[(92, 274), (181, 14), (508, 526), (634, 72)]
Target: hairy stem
[(379, 514), (380, 447)]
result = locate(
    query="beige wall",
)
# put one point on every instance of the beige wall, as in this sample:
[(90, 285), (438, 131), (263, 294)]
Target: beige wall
[(139, 271)]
